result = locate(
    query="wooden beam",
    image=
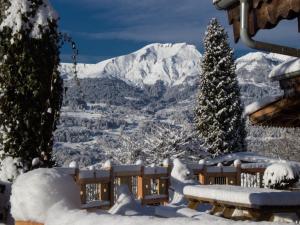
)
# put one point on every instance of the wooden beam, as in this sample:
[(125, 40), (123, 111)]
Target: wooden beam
[(27, 223)]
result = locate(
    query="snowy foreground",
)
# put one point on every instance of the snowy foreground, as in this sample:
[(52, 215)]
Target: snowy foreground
[(51, 197)]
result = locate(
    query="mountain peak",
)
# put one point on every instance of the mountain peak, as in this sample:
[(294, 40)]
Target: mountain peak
[(171, 63)]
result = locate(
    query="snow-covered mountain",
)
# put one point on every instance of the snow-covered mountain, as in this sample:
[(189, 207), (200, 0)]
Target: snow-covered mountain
[(147, 98), (170, 63), (252, 68)]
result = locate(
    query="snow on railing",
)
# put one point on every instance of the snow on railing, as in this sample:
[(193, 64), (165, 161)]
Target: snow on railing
[(151, 185)]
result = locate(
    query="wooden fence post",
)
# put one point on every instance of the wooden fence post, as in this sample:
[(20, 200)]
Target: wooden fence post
[(111, 186), (83, 193), (164, 182), (203, 175), (104, 192), (140, 185), (261, 180)]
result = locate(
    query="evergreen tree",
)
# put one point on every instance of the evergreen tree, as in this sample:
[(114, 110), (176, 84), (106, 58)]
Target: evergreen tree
[(30, 85), (219, 111)]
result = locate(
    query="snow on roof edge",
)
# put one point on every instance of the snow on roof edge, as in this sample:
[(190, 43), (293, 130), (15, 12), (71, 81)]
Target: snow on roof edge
[(257, 105), (285, 70)]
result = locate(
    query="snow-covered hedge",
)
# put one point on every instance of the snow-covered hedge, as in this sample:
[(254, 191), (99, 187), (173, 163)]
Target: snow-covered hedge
[(30, 83)]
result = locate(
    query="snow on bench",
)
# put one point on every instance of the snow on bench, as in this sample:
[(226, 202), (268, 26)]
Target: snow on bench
[(253, 203), (248, 197)]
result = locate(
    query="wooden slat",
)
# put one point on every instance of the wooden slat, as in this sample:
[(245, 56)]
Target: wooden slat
[(27, 223), (127, 173), (253, 170), (104, 193), (265, 208), (93, 180)]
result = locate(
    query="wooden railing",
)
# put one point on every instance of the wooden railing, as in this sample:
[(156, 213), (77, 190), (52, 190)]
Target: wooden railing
[(151, 184)]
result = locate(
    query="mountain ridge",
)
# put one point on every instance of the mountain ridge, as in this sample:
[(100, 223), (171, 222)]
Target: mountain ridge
[(171, 63)]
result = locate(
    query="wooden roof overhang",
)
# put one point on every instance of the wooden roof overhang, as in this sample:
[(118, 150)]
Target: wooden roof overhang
[(248, 17), (285, 111), (264, 14), (281, 113)]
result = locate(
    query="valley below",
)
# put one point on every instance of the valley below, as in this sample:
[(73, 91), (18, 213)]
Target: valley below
[(141, 106)]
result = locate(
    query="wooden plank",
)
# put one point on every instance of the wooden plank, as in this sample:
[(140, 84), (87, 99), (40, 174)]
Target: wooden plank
[(192, 204), (228, 212), (259, 215), (203, 176), (140, 191), (127, 174), (265, 208), (221, 174), (283, 113), (83, 193), (162, 187), (104, 192), (253, 170), (156, 176), (147, 186), (217, 209), (27, 223), (112, 187), (93, 180)]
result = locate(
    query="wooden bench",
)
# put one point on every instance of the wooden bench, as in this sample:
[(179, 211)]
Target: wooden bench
[(253, 203)]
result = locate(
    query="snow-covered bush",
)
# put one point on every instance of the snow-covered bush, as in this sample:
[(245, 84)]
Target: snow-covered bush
[(281, 175), (35, 192), (30, 84), (180, 177), (125, 203), (160, 141)]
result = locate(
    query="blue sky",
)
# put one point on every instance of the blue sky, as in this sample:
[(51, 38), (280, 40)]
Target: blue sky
[(107, 28)]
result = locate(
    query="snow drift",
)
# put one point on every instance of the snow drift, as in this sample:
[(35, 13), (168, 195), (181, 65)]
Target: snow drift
[(35, 192), (180, 177)]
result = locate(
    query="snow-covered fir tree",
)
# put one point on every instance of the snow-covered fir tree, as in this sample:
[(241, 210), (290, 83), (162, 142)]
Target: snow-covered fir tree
[(219, 111), (30, 85)]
